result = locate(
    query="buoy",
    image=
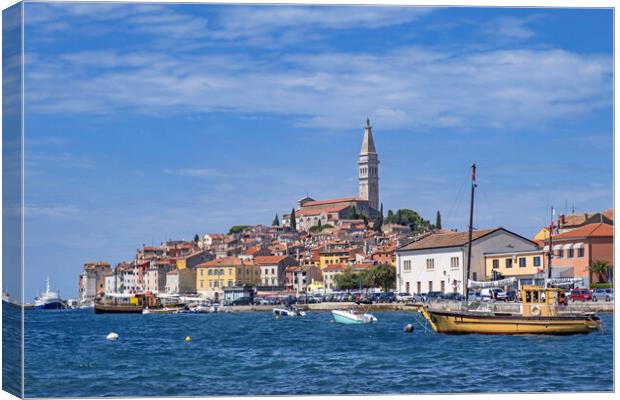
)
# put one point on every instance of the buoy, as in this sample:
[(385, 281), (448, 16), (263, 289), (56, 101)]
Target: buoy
[(277, 316), (408, 328), (112, 336), (188, 339)]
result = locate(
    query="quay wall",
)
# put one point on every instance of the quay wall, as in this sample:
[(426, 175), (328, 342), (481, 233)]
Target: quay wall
[(600, 306)]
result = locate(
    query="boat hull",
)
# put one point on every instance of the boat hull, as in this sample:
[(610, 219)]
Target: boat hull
[(117, 309), (343, 317), (466, 323), (54, 305)]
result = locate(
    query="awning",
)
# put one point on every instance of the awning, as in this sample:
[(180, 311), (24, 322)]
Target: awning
[(557, 247), (568, 246), (579, 245), (546, 248)]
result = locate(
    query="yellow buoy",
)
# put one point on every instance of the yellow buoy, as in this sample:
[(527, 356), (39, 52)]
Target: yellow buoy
[(188, 339)]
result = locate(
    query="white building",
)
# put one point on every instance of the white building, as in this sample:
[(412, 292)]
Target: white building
[(155, 278), (438, 262)]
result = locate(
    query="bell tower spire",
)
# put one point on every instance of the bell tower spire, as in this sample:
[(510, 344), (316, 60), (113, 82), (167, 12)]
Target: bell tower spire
[(368, 172)]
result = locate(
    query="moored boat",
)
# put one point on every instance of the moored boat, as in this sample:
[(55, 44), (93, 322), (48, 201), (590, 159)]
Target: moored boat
[(542, 310), (351, 317), (49, 300), (288, 312), (119, 303)]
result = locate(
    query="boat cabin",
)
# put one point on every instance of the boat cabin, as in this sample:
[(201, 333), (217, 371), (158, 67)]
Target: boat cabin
[(541, 301)]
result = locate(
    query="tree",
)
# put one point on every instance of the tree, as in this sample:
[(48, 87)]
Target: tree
[(384, 276), (293, 220), (320, 228), (409, 218), (196, 238), (600, 268), (237, 229), (347, 280), (276, 221), (438, 220)]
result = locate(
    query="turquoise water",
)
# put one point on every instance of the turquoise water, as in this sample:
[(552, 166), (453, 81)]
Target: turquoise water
[(254, 354)]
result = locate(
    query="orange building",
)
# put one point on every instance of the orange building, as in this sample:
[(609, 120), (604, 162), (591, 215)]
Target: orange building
[(575, 250)]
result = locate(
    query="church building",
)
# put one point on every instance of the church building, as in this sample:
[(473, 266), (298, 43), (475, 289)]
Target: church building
[(310, 212)]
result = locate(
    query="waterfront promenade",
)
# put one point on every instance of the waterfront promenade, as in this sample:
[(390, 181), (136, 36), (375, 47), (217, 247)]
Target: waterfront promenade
[(600, 306)]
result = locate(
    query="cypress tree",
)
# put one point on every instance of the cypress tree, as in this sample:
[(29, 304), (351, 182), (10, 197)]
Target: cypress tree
[(276, 221), (293, 220), (438, 220)]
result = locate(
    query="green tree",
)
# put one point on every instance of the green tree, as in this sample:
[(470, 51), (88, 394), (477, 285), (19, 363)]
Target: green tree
[(320, 228), (600, 268), (348, 280), (293, 220), (237, 229), (196, 238), (409, 218), (438, 220), (276, 221), (384, 276)]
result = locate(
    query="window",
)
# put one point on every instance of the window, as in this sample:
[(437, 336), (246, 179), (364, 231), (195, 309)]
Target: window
[(560, 253), (229, 271), (443, 286), (273, 271), (407, 287), (454, 262), (419, 287), (407, 265), (230, 283), (580, 252), (474, 276), (508, 262), (495, 264), (537, 261), (522, 262), (430, 286), (430, 263), (210, 272), (571, 253)]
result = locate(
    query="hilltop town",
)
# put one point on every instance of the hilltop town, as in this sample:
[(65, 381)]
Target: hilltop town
[(328, 245)]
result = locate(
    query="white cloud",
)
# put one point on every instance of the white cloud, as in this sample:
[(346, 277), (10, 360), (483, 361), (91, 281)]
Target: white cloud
[(193, 172), (410, 87)]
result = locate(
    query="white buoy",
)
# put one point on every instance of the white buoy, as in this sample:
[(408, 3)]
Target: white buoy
[(408, 328), (112, 336)]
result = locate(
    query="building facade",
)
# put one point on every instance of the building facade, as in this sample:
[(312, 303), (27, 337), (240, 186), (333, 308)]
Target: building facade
[(437, 262)]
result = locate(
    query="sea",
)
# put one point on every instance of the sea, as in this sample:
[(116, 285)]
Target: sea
[(252, 353)]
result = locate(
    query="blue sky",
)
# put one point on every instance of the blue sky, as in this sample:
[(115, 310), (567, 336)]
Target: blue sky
[(150, 122)]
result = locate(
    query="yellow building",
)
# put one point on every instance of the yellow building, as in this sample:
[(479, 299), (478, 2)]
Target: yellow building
[(329, 257), (542, 235), (214, 276), (523, 265), (315, 286)]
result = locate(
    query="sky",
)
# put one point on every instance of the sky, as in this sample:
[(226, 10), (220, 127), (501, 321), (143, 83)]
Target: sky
[(149, 122)]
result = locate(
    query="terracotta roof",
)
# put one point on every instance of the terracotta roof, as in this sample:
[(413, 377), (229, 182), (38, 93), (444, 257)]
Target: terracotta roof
[(609, 214), (226, 261), (335, 267), (268, 259), (316, 211), (452, 239), (590, 230), (362, 266), (330, 201)]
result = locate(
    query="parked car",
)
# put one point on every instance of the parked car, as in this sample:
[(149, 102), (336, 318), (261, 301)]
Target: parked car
[(404, 297), (511, 295), (432, 296), (452, 296), (489, 294), (603, 294), (242, 301), (580, 295), (387, 297), (475, 296)]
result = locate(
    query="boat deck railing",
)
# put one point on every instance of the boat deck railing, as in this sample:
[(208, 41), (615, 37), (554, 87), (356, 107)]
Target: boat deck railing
[(491, 307)]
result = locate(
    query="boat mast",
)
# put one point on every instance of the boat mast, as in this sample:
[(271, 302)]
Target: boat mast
[(550, 254), (471, 221)]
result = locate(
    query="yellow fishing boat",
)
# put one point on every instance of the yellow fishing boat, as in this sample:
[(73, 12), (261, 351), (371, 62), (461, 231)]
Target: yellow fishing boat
[(541, 311)]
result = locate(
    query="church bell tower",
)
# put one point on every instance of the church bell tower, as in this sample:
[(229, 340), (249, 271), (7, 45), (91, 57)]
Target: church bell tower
[(369, 169)]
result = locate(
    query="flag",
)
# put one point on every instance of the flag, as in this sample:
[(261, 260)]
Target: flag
[(551, 225)]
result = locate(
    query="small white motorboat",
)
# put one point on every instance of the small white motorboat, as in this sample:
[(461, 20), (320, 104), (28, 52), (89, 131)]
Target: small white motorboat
[(288, 312), (350, 317)]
